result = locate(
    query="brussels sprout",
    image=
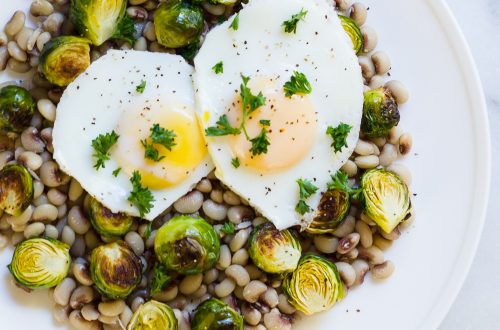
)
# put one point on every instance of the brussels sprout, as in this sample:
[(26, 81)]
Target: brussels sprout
[(178, 24), (354, 33), (106, 222), (16, 189), (380, 113), (115, 269), (386, 199), (315, 285), (40, 262), (64, 58), (153, 315), (272, 250), (187, 245), (16, 109), (214, 314), (100, 20)]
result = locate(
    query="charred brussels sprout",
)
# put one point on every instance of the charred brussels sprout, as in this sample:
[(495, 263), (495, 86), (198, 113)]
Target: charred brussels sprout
[(153, 315), (380, 113), (386, 199), (214, 314), (40, 262), (115, 269), (354, 33), (16, 109), (100, 20), (187, 245), (64, 58), (315, 285), (272, 250), (106, 222), (178, 24), (16, 189)]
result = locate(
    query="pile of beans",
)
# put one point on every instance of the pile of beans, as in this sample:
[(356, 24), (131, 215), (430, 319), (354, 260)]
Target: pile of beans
[(357, 246)]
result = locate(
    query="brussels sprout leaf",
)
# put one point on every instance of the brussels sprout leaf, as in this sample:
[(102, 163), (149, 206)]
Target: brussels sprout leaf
[(339, 135), (140, 196), (291, 25), (101, 145), (298, 84)]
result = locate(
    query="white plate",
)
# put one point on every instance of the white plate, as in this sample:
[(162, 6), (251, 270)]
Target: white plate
[(451, 170)]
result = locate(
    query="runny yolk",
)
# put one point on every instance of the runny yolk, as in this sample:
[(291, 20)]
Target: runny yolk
[(291, 133), (188, 152)]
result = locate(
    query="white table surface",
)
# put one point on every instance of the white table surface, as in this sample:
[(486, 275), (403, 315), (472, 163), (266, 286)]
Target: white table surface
[(478, 305)]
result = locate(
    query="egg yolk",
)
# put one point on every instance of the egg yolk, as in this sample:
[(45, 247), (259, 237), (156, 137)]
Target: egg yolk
[(291, 131), (187, 153)]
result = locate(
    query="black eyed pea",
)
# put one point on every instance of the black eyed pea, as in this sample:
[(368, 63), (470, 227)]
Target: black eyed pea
[(381, 242), (189, 203), (350, 168), (240, 239), (214, 210), (15, 24), (81, 272), (402, 171), (42, 39), (78, 247), (217, 196), (225, 288), (347, 273), (34, 229), (370, 38), (202, 291), (3, 38), (393, 235), (138, 13), (22, 39), (126, 315), (134, 240), (81, 296), (16, 52), (398, 91), (51, 175), (383, 271), (141, 44), (348, 243), (361, 267), (210, 276), (343, 4), (61, 313), (204, 186), (367, 67), (359, 13), (111, 308), (253, 291), (75, 190), (231, 198), (63, 290), (388, 155), (216, 10), (224, 257), (31, 140), (32, 160), (284, 306), (38, 188), (47, 109), (367, 162), (239, 274), (4, 57), (275, 321), (90, 312), (190, 284), (108, 320), (326, 243), (365, 234), (21, 219), (237, 214), (240, 257), (56, 197), (373, 255), (364, 148), (376, 81), (45, 212), (41, 8), (68, 235), (17, 66), (78, 221), (136, 303), (182, 320), (382, 62), (167, 294), (149, 33), (53, 23), (251, 315), (405, 143), (270, 297), (345, 227)]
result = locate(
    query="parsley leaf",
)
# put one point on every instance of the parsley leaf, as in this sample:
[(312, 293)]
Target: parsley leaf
[(235, 24), (140, 196), (150, 152), (165, 137), (148, 231), (140, 88), (101, 145), (260, 143), (218, 68), (115, 172), (235, 162), (298, 84), (339, 181), (291, 25), (223, 128), (228, 228), (306, 188), (302, 207), (159, 280), (339, 136), (250, 102), (265, 122)]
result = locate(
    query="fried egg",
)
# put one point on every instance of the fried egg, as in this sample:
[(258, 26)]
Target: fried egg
[(262, 51), (128, 92)]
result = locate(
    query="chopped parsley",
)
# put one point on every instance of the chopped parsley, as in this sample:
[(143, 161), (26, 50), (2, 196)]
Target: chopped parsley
[(291, 25), (165, 137), (150, 152), (223, 128), (115, 172), (265, 122), (298, 84), (260, 143), (235, 24), (101, 145), (140, 196), (339, 135), (160, 279), (306, 190), (235, 162), (302, 207), (148, 231), (228, 228), (218, 68), (339, 181), (250, 102), (141, 87)]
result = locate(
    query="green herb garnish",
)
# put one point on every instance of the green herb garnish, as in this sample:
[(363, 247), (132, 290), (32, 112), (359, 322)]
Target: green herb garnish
[(339, 136), (101, 145), (165, 137), (260, 143), (298, 84), (227, 228), (235, 24), (150, 152), (235, 162), (291, 25), (223, 128), (140, 196), (115, 172), (302, 207), (218, 68), (306, 190), (265, 122), (141, 87)]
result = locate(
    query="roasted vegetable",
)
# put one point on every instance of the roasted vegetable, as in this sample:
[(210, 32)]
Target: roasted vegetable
[(187, 245), (40, 262), (380, 113), (16, 109), (153, 315), (100, 20), (213, 314), (386, 199), (178, 24), (16, 189), (354, 33), (272, 250), (315, 285), (115, 269), (106, 222), (64, 58)]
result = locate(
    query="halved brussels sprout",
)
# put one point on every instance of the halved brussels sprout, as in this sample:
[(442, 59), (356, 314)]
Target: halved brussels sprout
[(64, 58), (380, 113), (115, 269), (16, 189), (315, 285), (153, 315), (272, 250), (214, 314), (106, 222), (178, 24), (187, 245), (100, 20), (40, 262), (16, 108), (354, 33), (386, 199)]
